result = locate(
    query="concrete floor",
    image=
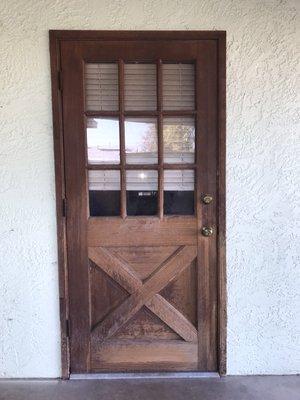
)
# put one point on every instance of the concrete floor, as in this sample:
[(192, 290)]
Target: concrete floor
[(228, 388)]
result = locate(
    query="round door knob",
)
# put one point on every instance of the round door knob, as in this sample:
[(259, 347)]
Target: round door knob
[(207, 231), (207, 199)]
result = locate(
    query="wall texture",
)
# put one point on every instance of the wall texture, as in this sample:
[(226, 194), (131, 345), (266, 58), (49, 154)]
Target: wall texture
[(262, 183)]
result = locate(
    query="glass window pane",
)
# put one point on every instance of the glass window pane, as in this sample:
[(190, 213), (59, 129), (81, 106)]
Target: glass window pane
[(178, 86), (140, 86), (179, 192), (101, 87), (104, 193), (103, 143), (179, 140), (141, 140), (141, 192)]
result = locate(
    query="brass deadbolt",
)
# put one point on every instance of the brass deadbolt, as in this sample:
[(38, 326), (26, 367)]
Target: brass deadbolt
[(207, 199), (207, 231)]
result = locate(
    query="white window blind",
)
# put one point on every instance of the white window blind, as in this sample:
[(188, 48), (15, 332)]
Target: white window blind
[(140, 90), (178, 86), (104, 180), (179, 180), (174, 180), (101, 84), (142, 180), (101, 87), (140, 87)]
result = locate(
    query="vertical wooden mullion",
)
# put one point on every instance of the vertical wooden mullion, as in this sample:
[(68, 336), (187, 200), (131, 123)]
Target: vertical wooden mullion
[(122, 138), (60, 194), (77, 216), (160, 141), (197, 122), (206, 96)]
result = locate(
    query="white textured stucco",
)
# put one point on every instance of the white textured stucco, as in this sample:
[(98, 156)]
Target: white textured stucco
[(262, 181)]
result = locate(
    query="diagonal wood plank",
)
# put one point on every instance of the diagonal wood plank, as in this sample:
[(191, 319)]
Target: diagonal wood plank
[(168, 272), (143, 260), (118, 270), (121, 272), (173, 318)]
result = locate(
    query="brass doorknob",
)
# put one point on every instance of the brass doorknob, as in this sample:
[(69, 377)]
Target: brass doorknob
[(207, 231), (207, 198)]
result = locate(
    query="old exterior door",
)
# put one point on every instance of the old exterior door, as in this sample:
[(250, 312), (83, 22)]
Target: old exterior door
[(140, 131)]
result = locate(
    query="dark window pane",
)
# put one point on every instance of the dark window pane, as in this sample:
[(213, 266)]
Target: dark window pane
[(141, 203), (179, 192), (105, 204), (141, 192), (104, 193), (178, 203)]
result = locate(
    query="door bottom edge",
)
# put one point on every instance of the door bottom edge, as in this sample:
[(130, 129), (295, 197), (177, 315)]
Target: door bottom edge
[(145, 375)]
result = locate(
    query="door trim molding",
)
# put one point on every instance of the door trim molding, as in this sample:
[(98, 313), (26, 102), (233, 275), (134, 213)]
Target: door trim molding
[(58, 36)]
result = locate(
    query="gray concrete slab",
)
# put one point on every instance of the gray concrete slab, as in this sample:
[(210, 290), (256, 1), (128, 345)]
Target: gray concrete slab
[(227, 388)]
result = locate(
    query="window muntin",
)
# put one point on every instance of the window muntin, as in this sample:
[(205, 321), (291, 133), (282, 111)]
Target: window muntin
[(143, 115)]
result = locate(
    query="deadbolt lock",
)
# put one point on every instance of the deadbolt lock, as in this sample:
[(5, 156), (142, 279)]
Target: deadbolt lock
[(207, 198), (207, 231)]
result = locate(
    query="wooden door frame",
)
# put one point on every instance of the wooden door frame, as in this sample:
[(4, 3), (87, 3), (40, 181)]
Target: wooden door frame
[(56, 37)]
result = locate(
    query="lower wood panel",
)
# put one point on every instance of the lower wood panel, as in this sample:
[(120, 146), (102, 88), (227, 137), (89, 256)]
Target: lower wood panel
[(135, 355)]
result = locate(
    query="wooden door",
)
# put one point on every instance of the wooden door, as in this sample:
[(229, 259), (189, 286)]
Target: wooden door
[(140, 132)]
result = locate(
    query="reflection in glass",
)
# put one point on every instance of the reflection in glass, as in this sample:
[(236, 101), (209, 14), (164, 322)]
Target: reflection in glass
[(141, 192), (103, 141), (104, 193), (178, 86), (101, 87), (179, 140), (179, 192), (140, 86), (141, 140)]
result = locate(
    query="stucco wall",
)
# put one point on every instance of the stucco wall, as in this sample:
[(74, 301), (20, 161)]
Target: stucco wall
[(262, 184)]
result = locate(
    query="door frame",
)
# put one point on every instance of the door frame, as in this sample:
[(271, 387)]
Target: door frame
[(58, 36)]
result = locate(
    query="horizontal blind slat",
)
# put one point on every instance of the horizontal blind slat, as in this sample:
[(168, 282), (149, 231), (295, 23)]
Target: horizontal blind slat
[(179, 180), (101, 87), (178, 86), (174, 180), (140, 87), (104, 180)]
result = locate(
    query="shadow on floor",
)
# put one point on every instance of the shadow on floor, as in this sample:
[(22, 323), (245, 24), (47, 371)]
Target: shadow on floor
[(227, 388)]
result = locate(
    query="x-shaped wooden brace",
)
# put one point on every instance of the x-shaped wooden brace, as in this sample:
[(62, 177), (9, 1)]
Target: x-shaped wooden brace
[(144, 293)]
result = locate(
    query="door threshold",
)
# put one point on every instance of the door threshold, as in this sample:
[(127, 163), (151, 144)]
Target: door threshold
[(146, 375)]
